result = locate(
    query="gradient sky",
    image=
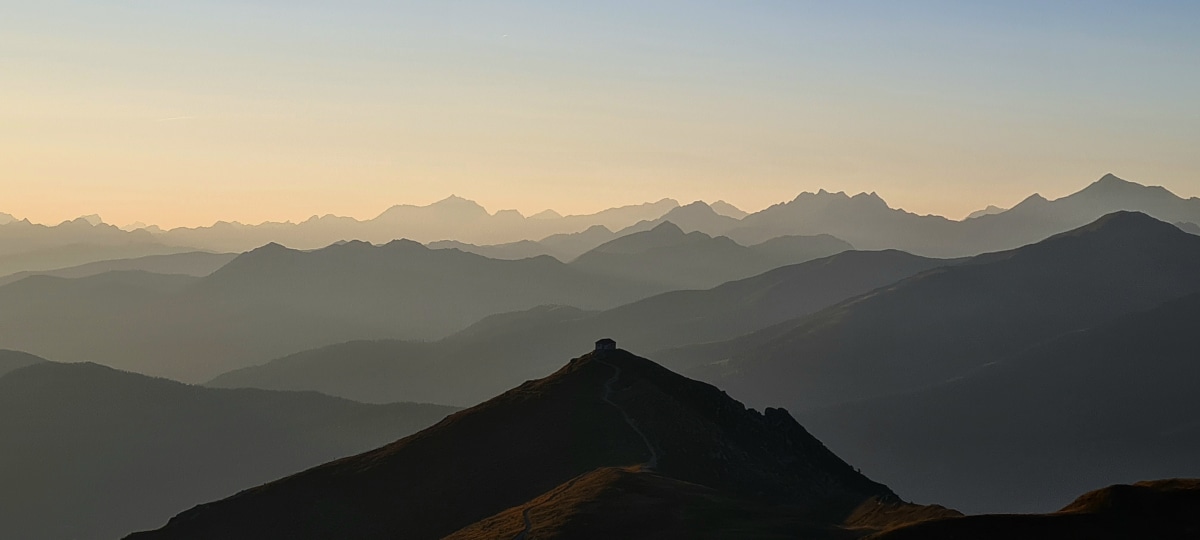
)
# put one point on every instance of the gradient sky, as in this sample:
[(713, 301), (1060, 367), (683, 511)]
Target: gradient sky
[(183, 113)]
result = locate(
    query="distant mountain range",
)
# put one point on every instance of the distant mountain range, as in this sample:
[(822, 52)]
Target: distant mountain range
[(194, 263), (502, 350), (453, 218), (667, 256), (868, 222), (609, 430), (273, 301), (26, 246), (93, 453), (943, 323), (863, 220), (990, 210)]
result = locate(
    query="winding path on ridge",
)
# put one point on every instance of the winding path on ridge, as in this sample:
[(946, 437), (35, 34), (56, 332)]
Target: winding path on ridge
[(650, 464)]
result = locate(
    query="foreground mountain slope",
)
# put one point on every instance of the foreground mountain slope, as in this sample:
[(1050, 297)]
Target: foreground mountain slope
[(273, 301), (668, 256), (502, 350), (939, 325), (632, 502), (1114, 403), (98, 453), (605, 409), (1166, 509)]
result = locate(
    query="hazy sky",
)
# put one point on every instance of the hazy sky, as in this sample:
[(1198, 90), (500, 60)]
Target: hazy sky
[(182, 113)]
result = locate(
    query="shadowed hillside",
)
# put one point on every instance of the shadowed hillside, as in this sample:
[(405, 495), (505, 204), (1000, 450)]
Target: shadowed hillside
[(1165, 509), (943, 323), (273, 301), (98, 453), (503, 350), (605, 409), (1114, 403)]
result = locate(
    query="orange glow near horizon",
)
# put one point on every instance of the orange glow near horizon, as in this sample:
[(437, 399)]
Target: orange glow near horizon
[(183, 116)]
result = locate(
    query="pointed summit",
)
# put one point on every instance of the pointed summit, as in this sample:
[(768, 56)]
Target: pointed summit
[(728, 210), (1125, 224), (459, 204), (1111, 184), (605, 409), (662, 235), (666, 229)]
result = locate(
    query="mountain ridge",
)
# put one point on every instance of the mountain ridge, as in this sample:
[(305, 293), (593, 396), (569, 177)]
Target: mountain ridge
[(625, 411), (102, 452), (1123, 263)]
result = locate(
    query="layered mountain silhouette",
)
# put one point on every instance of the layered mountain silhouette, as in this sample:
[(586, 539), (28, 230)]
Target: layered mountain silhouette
[(695, 217), (91, 452), (550, 443), (523, 249), (273, 301), (990, 210), (867, 222), (864, 220), (667, 256), (943, 323), (568, 246), (194, 263), (13, 360), (728, 210), (1153, 509), (1113, 403), (1191, 228), (26, 246), (502, 350), (453, 218)]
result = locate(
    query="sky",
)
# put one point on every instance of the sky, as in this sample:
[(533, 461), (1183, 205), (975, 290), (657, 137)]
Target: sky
[(184, 113)]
